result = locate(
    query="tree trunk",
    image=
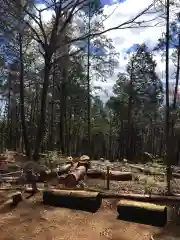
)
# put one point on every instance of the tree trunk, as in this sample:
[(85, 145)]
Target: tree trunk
[(129, 136), (42, 118), (175, 97), (167, 125), (21, 79)]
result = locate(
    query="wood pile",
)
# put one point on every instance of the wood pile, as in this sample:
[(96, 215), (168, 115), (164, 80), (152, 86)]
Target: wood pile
[(69, 174), (73, 178), (77, 172)]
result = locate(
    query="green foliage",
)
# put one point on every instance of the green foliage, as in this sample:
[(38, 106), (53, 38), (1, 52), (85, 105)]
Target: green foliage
[(146, 89), (51, 159)]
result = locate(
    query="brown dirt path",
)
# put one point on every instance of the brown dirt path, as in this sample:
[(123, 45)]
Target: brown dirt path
[(32, 220)]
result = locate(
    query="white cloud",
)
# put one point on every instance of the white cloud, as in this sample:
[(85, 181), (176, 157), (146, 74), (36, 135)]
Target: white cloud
[(123, 39)]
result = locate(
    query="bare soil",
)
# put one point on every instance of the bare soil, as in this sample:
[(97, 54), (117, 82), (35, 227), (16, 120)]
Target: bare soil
[(32, 220)]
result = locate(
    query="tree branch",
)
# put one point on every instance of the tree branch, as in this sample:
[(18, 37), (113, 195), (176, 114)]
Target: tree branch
[(121, 26)]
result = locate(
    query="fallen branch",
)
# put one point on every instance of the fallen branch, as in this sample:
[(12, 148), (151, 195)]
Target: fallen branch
[(106, 194), (141, 197)]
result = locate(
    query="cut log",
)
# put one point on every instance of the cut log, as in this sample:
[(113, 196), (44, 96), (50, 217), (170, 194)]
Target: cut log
[(74, 166), (86, 164), (83, 200), (114, 175), (3, 158), (141, 197), (145, 213), (73, 178), (96, 173), (120, 176), (64, 169)]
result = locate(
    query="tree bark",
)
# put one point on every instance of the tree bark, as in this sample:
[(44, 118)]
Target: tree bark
[(42, 118), (21, 79)]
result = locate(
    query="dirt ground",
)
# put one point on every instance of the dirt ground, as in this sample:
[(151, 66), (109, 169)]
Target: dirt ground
[(33, 220)]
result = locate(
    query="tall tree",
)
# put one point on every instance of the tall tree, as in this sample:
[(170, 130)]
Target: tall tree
[(139, 93)]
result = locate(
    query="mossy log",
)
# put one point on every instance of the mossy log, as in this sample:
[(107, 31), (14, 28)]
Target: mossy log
[(83, 200), (73, 178), (145, 213)]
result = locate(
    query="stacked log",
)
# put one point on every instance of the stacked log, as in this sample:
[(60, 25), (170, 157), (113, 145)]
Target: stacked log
[(82, 200), (64, 169), (145, 213), (84, 161), (73, 178)]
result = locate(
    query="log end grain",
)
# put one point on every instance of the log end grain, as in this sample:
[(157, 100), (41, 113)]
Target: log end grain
[(145, 213)]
